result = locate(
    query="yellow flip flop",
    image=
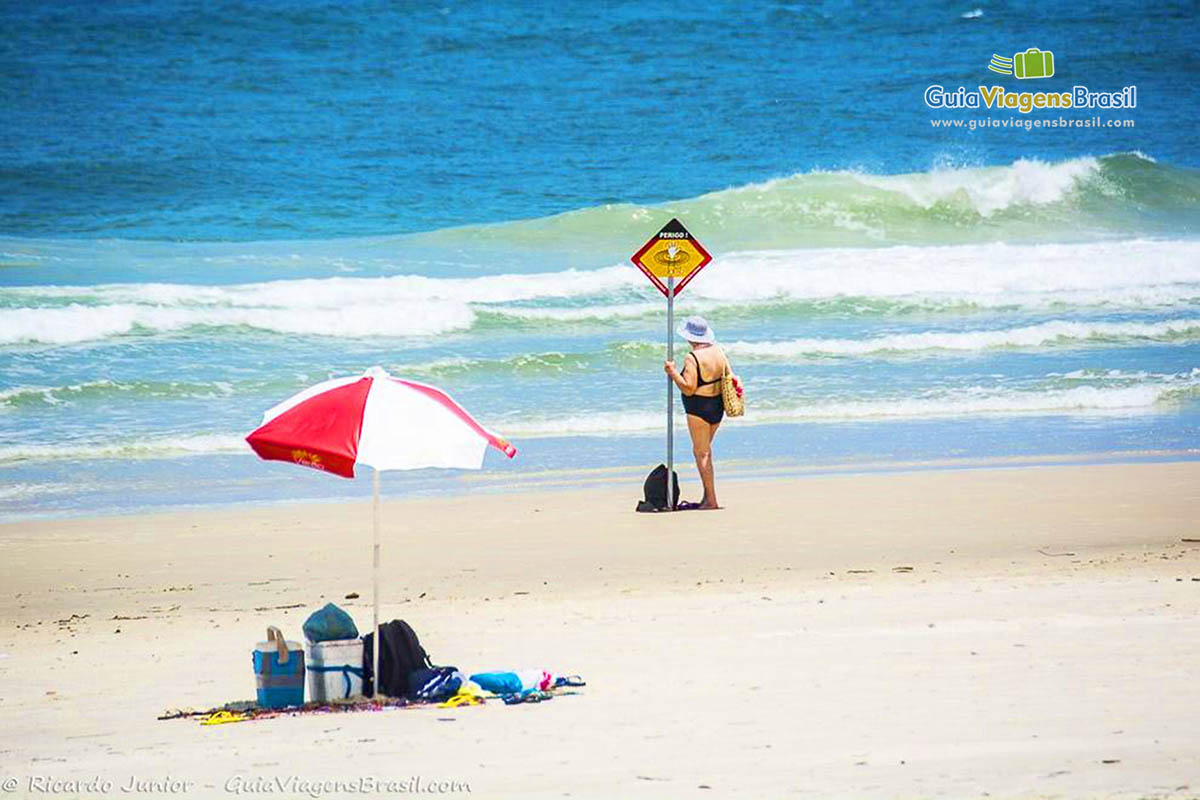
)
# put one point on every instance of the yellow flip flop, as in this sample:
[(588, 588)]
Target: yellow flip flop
[(224, 718), (462, 700)]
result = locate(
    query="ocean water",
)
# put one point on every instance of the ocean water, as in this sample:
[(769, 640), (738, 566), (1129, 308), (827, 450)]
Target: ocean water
[(204, 209)]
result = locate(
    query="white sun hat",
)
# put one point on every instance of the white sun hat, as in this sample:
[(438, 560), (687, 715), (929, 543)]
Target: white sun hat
[(696, 329)]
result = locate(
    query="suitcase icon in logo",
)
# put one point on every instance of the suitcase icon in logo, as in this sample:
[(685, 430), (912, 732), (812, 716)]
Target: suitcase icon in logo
[(1033, 63)]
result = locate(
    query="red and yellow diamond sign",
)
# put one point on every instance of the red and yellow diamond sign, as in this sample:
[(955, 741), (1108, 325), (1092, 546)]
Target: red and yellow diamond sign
[(671, 253)]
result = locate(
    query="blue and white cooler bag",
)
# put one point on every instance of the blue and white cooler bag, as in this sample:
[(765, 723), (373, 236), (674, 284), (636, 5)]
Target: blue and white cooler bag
[(279, 670), (335, 670)]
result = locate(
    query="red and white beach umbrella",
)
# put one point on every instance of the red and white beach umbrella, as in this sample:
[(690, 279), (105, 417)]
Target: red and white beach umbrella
[(377, 421)]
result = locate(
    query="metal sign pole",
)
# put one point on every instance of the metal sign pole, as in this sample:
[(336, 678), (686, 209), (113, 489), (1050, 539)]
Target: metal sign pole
[(670, 392)]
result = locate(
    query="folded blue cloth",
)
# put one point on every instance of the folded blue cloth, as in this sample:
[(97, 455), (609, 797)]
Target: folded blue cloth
[(498, 682)]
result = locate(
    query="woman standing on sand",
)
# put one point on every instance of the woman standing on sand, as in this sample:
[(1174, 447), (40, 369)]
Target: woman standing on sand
[(700, 384)]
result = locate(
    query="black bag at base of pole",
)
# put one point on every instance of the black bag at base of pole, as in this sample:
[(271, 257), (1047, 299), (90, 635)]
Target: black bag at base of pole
[(655, 490)]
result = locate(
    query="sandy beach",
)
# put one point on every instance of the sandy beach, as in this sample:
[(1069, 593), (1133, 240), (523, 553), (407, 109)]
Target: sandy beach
[(466, 252), (958, 633)]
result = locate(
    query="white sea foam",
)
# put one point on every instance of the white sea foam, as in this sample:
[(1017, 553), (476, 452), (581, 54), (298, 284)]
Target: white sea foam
[(404, 305), (1035, 276), (575, 314), (150, 447), (80, 323), (339, 292), (1057, 332), (985, 190), (990, 189), (1118, 273)]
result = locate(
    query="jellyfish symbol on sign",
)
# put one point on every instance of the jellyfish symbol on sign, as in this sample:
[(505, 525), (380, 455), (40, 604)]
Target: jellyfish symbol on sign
[(674, 258)]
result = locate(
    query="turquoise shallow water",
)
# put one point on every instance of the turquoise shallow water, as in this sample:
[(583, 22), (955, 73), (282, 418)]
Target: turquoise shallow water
[(203, 210)]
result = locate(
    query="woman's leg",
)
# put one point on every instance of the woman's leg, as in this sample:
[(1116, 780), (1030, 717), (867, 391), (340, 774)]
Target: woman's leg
[(701, 433), (712, 471)]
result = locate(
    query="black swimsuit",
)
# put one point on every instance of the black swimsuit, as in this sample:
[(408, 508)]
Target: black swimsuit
[(709, 409)]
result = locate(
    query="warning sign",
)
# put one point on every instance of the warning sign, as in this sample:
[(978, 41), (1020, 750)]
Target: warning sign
[(671, 253)]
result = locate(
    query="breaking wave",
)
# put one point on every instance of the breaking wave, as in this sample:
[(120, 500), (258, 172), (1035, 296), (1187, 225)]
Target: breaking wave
[(1121, 194), (1057, 333), (873, 281)]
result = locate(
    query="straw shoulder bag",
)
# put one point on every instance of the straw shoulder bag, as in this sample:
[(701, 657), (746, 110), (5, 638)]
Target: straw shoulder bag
[(735, 406)]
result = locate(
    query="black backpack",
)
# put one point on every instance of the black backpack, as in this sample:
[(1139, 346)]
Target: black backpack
[(400, 656), (655, 490)]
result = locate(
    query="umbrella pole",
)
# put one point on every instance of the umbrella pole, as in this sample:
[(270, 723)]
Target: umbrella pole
[(375, 591)]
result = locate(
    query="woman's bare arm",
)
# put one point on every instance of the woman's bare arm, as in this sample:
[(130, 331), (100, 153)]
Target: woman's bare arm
[(686, 380)]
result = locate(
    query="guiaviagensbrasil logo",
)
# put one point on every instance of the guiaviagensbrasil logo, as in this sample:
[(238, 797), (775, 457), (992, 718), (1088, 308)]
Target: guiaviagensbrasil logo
[(1033, 63)]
